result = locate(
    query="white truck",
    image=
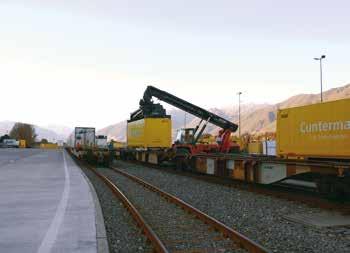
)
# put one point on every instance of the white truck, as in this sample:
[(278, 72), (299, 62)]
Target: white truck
[(82, 138), (10, 143)]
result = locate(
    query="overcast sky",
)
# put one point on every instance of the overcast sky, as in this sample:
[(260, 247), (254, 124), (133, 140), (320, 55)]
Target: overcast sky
[(87, 62)]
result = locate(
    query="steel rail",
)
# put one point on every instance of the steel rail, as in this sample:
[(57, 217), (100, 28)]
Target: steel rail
[(146, 229), (241, 240)]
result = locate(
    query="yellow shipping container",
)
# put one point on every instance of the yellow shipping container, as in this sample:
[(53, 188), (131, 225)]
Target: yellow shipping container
[(22, 144), (149, 133), (255, 148), (49, 146), (317, 130)]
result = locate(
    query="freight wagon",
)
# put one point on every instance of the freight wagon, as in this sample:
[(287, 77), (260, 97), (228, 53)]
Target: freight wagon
[(148, 138), (319, 134), (82, 144), (313, 143)]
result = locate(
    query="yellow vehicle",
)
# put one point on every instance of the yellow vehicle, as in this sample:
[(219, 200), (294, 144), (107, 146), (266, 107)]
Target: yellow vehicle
[(317, 130), (22, 143), (48, 145)]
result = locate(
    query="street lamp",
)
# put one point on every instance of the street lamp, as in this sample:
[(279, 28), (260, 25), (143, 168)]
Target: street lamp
[(239, 113), (320, 60)]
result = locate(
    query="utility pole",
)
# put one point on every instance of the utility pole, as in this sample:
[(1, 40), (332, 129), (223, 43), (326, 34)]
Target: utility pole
[(239, 113), (320, 60), (185, 118)]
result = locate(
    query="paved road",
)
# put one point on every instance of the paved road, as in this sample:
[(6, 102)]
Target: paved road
[(11, 155), (45, 203)]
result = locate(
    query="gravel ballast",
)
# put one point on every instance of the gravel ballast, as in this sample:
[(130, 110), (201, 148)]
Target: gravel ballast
[(257, 216), (178, 230), (122, 232)]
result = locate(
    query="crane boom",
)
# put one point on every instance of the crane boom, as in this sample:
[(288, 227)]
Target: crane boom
[(147, 106)]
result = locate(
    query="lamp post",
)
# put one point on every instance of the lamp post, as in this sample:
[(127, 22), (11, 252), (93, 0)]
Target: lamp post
[(239, 113), (320, 60)]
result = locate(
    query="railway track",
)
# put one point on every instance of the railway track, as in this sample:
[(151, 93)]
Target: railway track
[(302, 195), (170, 224)]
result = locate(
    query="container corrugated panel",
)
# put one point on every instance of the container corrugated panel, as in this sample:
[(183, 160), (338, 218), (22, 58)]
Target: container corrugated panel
[(149, 133), (318, 130)]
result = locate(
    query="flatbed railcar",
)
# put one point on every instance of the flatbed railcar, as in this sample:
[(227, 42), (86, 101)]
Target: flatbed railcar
[(151, 145)]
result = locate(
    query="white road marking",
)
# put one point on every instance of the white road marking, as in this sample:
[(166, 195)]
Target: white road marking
[(52, 232)]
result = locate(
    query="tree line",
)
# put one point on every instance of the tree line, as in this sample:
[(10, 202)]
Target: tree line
[(22, 131)]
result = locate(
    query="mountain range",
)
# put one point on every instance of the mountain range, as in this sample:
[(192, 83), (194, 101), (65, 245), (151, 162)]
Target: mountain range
[(255, 118)]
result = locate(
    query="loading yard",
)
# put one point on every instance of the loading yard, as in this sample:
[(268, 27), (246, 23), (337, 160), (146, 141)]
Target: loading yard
[(175, 126), (302, 188), (153, 194)]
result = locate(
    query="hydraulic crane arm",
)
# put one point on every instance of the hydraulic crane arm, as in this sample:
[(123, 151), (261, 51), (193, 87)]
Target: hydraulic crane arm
[(185, 106)]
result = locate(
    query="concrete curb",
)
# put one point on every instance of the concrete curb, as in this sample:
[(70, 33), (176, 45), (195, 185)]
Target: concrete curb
[(101, 236)]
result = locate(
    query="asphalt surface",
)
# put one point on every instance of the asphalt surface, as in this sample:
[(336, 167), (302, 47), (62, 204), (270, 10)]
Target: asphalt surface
[(45, 203)]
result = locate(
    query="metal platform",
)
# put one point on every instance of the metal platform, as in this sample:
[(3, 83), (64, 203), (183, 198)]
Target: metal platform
[(45, 203), (320, 219)]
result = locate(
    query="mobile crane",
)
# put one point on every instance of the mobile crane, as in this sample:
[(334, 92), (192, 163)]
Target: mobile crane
[(186, 142)]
